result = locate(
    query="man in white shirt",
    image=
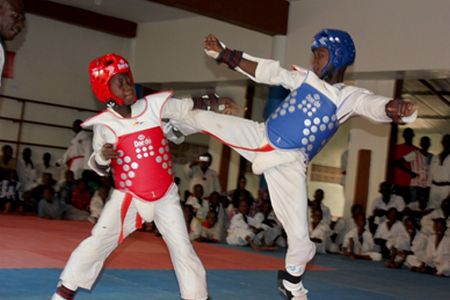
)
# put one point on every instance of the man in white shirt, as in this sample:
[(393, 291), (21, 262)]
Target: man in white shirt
[(198, 172)]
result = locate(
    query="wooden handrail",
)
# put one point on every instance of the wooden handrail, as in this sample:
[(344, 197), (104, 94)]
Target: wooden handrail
[(22, 121), (48, 103)]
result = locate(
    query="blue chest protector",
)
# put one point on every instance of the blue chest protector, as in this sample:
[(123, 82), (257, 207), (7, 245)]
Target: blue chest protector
[(305, 120)]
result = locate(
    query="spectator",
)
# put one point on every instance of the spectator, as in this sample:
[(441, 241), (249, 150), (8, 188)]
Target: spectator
[(200, 205), (81, 199), (388, 231), (242, 226), (215, 205), (9, 196), (98, 201), (212, 231), (402, 179), (32, 198), (437, 256), (7, 161), (342, 227), (226, 204), (439, 174), (319, 231), (419, 165), (273, 231), (67, 187), (263, 195), (46, 167), (93, 181), (26, 172), (193, 225), (419, 208), (381, 205), (359, 243), (77, 155), (198, 172), (413, 242), (442, 212), (50, 207), (318, 197), (241, 193)]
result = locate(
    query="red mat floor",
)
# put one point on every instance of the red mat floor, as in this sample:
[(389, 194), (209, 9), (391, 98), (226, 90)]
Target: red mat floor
[(31, 242)]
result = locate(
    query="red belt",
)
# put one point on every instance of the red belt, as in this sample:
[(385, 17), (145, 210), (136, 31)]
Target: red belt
[(123, 212)]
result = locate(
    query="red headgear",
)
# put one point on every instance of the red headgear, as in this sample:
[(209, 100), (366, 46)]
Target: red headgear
[(101, 70)]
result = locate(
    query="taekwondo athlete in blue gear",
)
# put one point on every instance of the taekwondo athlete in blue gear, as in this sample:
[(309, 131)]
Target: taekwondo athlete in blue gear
[(281, 147)]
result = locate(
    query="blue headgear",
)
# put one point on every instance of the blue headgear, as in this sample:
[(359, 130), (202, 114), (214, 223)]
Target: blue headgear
[(340, 46)]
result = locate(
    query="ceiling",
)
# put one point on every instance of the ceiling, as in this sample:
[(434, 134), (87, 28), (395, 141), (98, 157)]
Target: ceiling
[(433, 98), (431, 94), (137, 11)]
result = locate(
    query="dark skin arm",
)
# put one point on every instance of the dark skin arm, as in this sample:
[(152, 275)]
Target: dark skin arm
[(399, 163), (211, 43)]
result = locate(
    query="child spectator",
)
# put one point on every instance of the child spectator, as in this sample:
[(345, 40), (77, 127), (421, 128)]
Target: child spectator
[(32, 198), (99, 200), (26, 172), (359, 243), (318, 197), (412, 243), (92, 180), (215, 205), (67, 187), (46, 167), (50, 207), (242, 226), (319, 231), (81, 198), (212, 231), (342, 227), (200, 205), (443, 212), (437, 256), (9, 196), (420, 207), (382, 204), (273, 231), (263, 195), (193, 225), (7, 161), (226, 204), (388, 231)]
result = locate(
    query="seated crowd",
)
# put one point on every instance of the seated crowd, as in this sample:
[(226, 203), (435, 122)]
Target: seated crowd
[(415, 234)]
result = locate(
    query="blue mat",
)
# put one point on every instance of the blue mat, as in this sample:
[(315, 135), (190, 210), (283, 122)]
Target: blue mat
[(352, 279)]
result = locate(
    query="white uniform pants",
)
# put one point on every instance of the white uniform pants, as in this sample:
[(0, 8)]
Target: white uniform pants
[(87, 259), (285, 176)]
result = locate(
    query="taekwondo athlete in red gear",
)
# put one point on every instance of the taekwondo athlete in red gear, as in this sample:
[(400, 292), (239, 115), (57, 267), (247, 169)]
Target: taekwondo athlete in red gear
[(295, 132), (129, 140)]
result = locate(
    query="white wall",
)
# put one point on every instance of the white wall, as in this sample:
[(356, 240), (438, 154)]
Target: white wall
[(172, 51), (51, 65)]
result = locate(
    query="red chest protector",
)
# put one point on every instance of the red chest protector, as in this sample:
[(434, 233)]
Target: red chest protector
[(144, 167)]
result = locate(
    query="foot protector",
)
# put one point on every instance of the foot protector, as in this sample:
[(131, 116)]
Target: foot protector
[(290, 295)]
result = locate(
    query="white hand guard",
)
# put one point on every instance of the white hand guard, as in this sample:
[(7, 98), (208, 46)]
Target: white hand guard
[(173, 134)]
